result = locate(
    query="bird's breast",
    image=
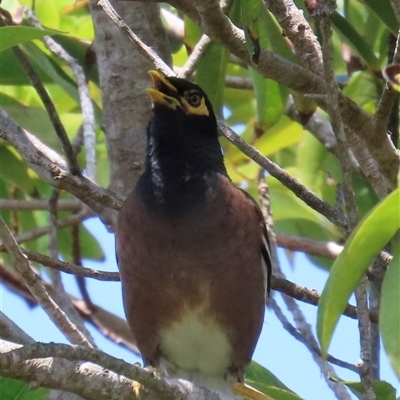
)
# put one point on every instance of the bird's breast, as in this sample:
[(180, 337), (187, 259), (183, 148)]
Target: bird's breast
[(196, 342)]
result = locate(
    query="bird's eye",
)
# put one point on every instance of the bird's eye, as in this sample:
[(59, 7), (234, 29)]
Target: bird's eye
[(193, 98)]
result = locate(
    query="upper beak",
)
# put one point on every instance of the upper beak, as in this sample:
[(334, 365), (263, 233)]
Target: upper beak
[(163, 92)]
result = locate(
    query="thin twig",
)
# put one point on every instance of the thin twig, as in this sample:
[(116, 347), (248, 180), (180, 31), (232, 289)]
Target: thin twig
[(301, 293), (368, 165), (77, 260), (301, 191), (309, 246), (364, 327), (323, 19), (42, 205), (297, 335), (336, 118), (60, 296), (198, 52), (305, 331), (311, 296), (147, 51), (374, 302), (21, 263), (70, 268), (388, 96), (9, 330), (108, 324), (84, 94), (52, 169), (50, 108), (219, 27), (38, 232)]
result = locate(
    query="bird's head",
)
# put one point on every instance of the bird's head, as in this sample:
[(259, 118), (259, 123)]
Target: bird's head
[(183, 150), (184, 102)]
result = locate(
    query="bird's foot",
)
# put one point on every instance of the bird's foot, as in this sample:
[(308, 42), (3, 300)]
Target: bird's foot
[(137, 387), (246, 391)]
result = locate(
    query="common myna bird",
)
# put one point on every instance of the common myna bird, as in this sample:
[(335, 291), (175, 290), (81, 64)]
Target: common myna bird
[(192, 248)]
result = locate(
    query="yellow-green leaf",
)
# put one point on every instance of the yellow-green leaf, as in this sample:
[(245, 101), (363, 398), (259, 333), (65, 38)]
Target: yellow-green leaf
[(13, 35), (369, 237), (389, 316)]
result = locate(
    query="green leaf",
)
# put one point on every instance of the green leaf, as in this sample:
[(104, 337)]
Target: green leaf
[(362, 89), (34, 119), (4, 194), (14, 389), (389, 315), (192, 34), (382, 389), (90, 247), (369, 237), (310, 163), (13, 35), (272, 38), (348, 32), (282, 134), (45, 64), (271, 100), (12, 72), (210, 74), (83, 52), (384, 11), (265, 381), (286, 206), (257, 373), (250, 17), (15, 171)]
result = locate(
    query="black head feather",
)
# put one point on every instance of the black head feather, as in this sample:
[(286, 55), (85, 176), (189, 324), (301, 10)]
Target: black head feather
[(183, 155)]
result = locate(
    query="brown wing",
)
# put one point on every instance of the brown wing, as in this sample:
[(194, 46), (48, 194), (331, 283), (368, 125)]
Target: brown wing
[(266, 245)]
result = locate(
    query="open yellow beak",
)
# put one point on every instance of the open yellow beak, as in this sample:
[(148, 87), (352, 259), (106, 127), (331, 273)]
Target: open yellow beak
[(161, 86)]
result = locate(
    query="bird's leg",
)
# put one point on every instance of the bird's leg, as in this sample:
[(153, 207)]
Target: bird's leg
[(246, 391), (137, 387)]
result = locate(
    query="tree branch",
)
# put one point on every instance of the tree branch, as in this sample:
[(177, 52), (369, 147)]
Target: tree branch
[(302, 192), (297, 335), (309, 246), (17, 362), (37, 204), (88, 380), (52, 169), (72, 269), (298, 30), (38, 232), (220, 29), (22, 265), (11, 332), (198, 52), (49, 106), (89, 133), (108, 324)]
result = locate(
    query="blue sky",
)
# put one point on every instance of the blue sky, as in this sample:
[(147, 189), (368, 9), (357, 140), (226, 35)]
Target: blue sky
[(288, 359)]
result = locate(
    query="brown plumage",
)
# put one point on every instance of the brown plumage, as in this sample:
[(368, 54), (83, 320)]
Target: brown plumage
[(192, 248)]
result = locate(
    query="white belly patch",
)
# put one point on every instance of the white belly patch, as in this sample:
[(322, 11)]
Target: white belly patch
[(196, 344)]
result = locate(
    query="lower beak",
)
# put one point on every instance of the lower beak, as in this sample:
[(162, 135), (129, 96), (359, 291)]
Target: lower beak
[(161, 90)]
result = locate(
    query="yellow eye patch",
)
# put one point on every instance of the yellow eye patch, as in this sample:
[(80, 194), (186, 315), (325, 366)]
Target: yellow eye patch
[(201, 109)]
